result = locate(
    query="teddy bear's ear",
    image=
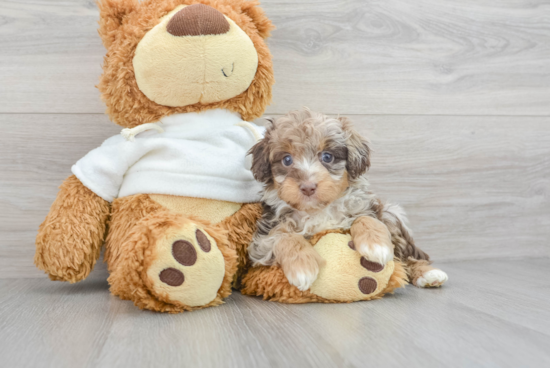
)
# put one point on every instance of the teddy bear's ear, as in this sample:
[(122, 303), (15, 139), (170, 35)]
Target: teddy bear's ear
[(111, 14), (261, 21)]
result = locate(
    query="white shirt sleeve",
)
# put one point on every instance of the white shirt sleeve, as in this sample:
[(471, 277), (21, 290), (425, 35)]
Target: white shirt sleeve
[(102, 170)]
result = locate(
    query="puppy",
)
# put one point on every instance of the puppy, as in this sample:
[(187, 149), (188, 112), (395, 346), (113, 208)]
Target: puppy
[(313, 168)]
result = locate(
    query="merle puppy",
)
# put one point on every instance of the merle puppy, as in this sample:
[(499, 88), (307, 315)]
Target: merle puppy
[(313, 167)]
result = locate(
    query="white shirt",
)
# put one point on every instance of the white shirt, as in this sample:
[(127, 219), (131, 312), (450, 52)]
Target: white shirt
[(199, 155)]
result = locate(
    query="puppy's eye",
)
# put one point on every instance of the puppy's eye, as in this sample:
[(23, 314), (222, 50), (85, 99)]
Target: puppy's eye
[(287, 160), (327, 157)]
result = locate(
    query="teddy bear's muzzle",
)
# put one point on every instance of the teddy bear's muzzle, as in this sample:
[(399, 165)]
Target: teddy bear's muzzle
[(195, 54)]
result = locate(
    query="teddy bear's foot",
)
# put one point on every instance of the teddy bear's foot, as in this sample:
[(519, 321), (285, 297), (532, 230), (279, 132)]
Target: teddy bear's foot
[(186, 267), (175, 264), (346, 277)]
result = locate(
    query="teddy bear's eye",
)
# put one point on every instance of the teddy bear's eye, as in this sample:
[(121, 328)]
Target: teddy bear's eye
[(287, 160)]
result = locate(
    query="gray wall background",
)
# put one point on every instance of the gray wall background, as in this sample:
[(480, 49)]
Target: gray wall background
[(454, 95)]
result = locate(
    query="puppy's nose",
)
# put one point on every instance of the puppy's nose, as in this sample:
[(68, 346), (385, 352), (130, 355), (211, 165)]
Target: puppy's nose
[(197, 20), (308, 189)]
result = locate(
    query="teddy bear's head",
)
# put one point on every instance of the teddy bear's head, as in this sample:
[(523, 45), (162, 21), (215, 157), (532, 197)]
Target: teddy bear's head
[(175, 56)]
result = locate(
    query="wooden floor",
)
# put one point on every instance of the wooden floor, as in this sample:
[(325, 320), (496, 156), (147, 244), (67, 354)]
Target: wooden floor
[(490, 314), (455, 98)]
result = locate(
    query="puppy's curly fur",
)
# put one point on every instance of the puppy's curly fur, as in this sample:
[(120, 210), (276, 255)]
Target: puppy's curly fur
[(313, 167)]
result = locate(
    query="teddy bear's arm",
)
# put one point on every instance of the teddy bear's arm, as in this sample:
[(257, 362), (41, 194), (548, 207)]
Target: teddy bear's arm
[(70, 238)]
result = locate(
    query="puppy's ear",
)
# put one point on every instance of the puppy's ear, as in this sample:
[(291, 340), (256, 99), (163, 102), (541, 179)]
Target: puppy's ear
[(261, 167), (358, 150)]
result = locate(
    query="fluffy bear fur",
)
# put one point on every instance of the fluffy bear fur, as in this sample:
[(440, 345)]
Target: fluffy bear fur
[(124, 23), (70, 238)]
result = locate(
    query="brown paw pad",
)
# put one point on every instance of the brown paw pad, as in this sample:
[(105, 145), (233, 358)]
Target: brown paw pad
[(367, 285), (351, 244), (172, 277), (184, 252), (371, 266), (203, 241)]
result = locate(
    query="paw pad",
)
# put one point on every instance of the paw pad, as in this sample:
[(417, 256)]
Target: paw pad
[(367, 285), (371, 266), (172, 277), (203, 241), (184, 252), (351, 244)]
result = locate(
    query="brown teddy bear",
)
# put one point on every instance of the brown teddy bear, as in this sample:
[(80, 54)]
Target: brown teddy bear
[(172, 197)]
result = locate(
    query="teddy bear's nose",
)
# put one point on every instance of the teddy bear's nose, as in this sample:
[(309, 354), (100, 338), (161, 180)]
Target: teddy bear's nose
[(197, 20)]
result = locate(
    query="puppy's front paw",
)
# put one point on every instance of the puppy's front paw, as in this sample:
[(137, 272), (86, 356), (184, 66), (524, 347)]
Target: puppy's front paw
[(372, 240), (299, 261), (431, 278), (302, 279), (376, 253), (381, 254), (303, 270)]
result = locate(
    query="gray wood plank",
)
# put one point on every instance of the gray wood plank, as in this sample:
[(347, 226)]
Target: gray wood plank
[(492, 313), (364, 57), (53, 324), (474, 187), (51, 56), (457, 325), (423, 57), (37, 156), (504, 290)]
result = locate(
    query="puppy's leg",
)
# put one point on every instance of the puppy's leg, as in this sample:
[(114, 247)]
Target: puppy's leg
[(299, 261), (371, 238), (422, 274), (417, 262)]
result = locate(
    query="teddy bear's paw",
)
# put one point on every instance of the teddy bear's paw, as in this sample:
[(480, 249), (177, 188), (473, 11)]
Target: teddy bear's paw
[(186, 267), (347, 275), (431, 278)]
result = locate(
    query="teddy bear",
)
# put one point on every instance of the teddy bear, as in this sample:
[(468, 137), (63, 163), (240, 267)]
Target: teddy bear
[(172, 197)]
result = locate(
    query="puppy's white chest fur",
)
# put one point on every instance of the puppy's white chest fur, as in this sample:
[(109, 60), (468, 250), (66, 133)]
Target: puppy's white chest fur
[(329, 218), (340, 214)]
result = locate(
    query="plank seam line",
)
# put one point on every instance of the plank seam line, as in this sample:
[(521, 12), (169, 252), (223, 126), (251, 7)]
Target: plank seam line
[(278, 113)]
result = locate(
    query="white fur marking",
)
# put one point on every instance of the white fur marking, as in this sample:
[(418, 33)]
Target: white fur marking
[(302, 280), (376, 253), (280, 178), (310, 168), (432, 278), (303, 165)]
